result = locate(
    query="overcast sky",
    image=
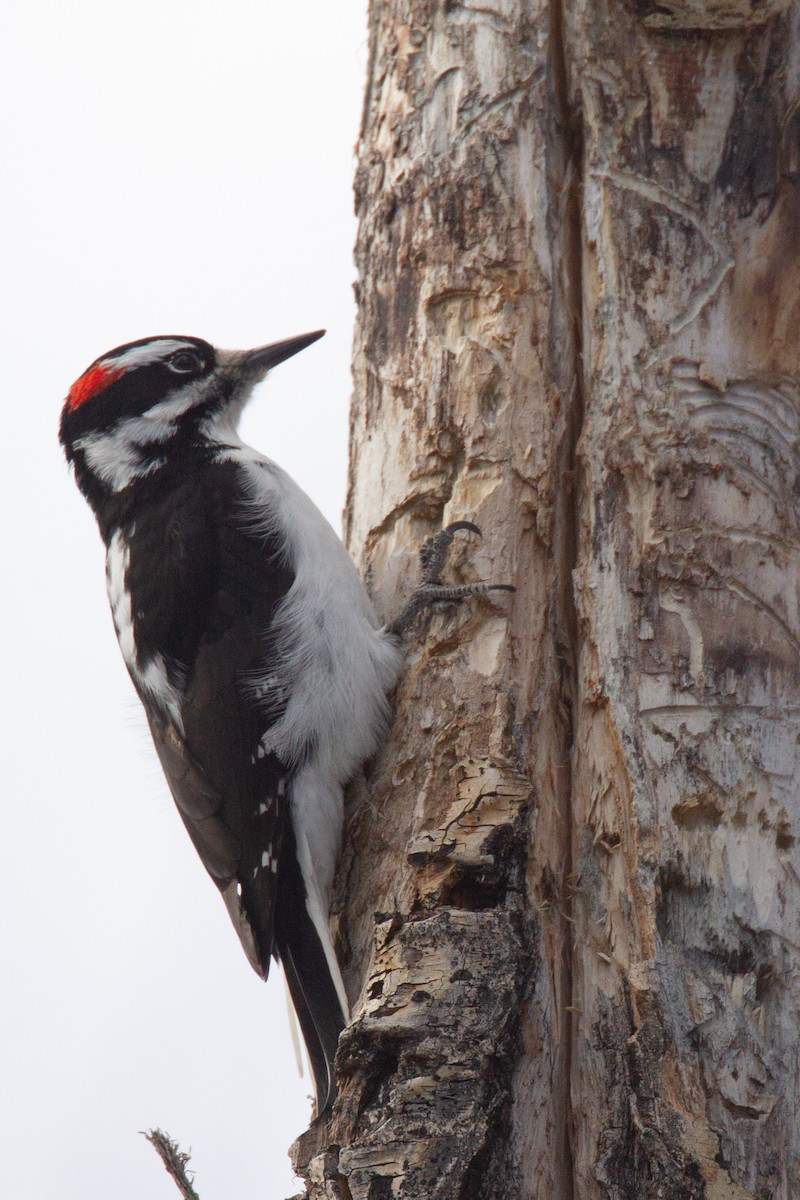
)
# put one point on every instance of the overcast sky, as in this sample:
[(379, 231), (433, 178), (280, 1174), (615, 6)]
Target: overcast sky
[(169, 167)]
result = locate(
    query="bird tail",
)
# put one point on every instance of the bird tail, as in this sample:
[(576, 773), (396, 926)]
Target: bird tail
[(315, 984)]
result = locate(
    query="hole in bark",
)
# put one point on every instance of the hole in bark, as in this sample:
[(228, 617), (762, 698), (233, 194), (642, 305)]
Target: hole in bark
[(377, 1065), (473, 893), (680, 897), (548, 888), (697, 812), (740, 960), (475, 886), (380, 1188), (490, 397), (784, 839), (742, 1110), (765, 977)]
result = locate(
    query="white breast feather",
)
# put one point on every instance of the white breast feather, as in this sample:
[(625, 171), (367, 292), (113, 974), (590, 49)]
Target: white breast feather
[(336, 666)]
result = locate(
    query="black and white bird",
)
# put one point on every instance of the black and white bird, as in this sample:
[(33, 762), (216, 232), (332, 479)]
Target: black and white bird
[(250, 640)]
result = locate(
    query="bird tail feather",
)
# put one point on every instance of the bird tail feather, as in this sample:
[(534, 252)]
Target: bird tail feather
[(306, 952), (319, 1012)]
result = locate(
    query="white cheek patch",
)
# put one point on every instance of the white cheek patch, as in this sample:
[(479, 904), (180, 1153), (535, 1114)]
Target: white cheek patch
[(125, 452), (117, 457)]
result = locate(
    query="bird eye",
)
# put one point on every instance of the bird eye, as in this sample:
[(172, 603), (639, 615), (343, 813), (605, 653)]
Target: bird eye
[(184, 362)]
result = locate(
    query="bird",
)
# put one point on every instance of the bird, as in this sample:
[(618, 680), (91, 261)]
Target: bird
[(262, 667)]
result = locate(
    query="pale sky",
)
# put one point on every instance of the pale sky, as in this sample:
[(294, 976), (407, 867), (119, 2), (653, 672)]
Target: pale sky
[(169, 167)]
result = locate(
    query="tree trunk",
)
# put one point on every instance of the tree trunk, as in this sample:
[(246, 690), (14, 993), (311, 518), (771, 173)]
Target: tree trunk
[(568, 899)]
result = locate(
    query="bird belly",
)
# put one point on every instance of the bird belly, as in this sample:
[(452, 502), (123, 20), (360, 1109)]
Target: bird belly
[(335, 664)]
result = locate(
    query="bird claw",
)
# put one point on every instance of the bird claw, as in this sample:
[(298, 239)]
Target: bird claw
[(435, 550), (430, 590)]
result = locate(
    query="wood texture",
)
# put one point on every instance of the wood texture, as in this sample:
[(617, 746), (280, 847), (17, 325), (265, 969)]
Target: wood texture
[(686, 791), (568, 901)]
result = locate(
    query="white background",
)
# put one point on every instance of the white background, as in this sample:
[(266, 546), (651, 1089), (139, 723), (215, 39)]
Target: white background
[(169, 167)]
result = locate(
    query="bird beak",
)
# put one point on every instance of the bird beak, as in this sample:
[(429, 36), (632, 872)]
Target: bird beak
[(254, 364)]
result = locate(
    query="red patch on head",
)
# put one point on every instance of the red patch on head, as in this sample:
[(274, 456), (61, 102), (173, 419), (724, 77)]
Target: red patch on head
[(90, 383)]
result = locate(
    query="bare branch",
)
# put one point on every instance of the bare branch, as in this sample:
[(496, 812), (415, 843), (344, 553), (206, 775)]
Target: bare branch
[(174, 1160)]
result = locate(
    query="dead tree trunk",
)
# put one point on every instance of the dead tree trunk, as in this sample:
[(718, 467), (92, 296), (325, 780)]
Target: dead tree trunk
[(568, 900)]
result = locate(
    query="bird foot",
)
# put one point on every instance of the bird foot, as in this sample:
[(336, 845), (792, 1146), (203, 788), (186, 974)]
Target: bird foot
[(430, 590)]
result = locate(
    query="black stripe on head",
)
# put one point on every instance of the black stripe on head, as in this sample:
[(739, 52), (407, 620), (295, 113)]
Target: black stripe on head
[(130, 379)]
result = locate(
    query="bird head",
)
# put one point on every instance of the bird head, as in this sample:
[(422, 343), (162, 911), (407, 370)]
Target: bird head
[(138, 404)]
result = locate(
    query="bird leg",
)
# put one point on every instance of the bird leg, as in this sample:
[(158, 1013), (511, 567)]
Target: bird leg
[(430, 590)]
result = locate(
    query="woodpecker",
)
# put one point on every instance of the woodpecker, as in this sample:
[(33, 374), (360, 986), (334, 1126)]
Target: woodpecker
[(261, 665)]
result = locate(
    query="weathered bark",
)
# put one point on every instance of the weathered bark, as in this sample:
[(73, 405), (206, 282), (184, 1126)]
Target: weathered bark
[(569, 893), (686, 792)]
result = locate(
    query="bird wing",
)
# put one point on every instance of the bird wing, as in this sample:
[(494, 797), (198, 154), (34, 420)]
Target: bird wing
[(208, 618), (237, 828)]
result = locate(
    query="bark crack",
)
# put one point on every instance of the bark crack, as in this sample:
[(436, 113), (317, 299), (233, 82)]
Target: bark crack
[(566, 154)]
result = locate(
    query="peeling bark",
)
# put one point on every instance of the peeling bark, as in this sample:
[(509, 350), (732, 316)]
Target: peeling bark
[(568, 899), (686, 800)]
